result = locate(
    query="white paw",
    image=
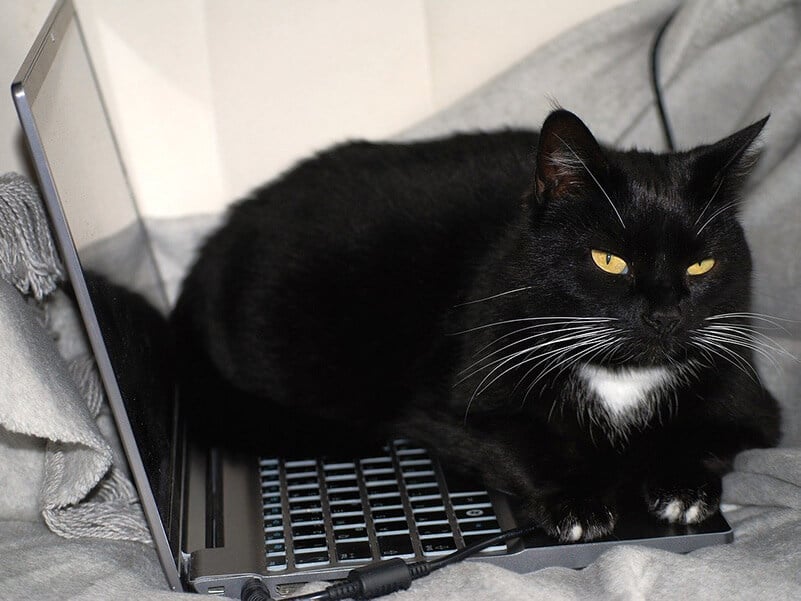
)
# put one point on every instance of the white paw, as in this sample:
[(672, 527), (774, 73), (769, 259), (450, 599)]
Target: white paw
[(575, 533), (573, 530), (680, 511)]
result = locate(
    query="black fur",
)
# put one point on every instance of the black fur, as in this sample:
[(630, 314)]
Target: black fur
[(352, 297)]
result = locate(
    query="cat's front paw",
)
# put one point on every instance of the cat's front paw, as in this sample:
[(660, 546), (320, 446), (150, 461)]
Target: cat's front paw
[(577, 519), (684, 500)]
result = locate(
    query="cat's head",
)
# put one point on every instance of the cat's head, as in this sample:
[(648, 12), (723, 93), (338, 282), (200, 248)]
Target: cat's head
[(650, 241)]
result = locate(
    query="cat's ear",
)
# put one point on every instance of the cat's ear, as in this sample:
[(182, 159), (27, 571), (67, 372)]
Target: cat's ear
[(731, 159), (568, 157)]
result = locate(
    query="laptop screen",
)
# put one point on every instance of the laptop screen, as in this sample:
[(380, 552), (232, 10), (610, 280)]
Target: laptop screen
[(114, 276)]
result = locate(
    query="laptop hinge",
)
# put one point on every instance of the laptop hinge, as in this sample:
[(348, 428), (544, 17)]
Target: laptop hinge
[(185, 560)]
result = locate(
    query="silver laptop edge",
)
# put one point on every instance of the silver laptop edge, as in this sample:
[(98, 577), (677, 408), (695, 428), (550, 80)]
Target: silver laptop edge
[(24, 89)]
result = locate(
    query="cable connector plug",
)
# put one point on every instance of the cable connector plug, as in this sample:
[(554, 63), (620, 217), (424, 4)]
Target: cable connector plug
[(254, 590), (377, 579)]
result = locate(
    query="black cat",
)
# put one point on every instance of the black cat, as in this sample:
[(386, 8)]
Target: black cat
[(570, 325)]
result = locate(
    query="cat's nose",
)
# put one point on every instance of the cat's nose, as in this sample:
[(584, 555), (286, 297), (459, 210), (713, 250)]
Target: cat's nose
[(663, 320)]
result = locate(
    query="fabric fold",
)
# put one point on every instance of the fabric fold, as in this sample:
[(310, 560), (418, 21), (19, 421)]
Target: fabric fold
[(80, 493)]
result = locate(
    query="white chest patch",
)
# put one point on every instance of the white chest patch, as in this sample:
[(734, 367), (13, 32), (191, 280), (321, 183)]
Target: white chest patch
[(621, 391)]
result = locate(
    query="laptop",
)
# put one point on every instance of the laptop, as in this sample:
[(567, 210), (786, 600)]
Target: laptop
[(220, 518)]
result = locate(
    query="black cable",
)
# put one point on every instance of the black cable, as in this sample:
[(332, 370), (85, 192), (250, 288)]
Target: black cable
[(383, 577), (660, 105), (461, 554)]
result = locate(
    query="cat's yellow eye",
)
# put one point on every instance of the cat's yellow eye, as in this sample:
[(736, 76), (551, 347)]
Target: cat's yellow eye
[(701, 267), (610, 263)]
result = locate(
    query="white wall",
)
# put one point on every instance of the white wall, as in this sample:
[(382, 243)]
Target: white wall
[(19, 25), (212, 97)]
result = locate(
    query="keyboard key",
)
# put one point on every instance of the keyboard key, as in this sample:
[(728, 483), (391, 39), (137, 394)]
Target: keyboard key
[(343, 472), (424, 478), (301, 465), (302, 544), (305, 519), (304, 493), (350, 533), (371, 462), (438, 546), (353, 550), (387, 501), (271, 499), (430, 502), (273, 522), (381, 476), (270, 489), (345, 478), (423, 491), (388, 513), (394, 545), (407, 465), (308, 530), (488, 525), (343, 487), (379, 489), (303, 484), (470, 498), (345, 520), (426, 529), (310, 505), (350, 495), (296, 517), (339, 466), (385, 526), (301, 479), (276, 548), (274, 535), (346, 507), (308, 559), (270, 510), (430, 516), (474, 512), (276, 563)]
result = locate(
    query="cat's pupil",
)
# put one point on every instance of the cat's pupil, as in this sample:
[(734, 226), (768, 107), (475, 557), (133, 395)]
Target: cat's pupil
[(608, 258)]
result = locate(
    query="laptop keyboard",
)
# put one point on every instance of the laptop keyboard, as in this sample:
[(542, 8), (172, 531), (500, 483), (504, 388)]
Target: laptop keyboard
[(320, 513)]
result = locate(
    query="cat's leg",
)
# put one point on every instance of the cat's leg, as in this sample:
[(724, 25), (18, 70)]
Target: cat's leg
[(569, 494), (575, 511), (684, 463), (686, 492)]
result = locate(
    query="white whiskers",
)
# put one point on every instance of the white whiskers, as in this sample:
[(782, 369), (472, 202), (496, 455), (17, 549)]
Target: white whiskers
[(481, 300), (709, 202), (560, 343), (546, 351), (727, 335), (716, 213), (595, 179)]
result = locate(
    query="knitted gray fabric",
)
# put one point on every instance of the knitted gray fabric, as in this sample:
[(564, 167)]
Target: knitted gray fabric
[(111, 508), (28, 256), (82, 493)]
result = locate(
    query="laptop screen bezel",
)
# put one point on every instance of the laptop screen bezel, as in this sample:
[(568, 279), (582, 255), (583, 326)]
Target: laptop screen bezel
[(24, 89)]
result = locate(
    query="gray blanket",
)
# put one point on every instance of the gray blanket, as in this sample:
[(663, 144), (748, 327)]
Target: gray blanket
[(724, 64)]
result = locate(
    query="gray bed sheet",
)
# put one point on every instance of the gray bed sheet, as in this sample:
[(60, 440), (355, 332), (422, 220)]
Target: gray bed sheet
[(724, 64)]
